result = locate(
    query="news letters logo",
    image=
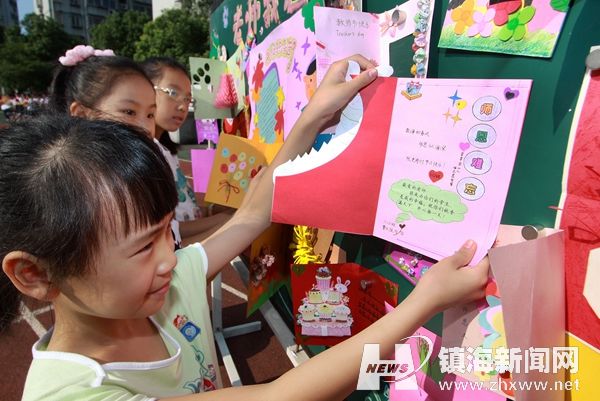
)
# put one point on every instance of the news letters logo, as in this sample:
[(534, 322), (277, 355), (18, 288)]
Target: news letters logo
[(401, 368)]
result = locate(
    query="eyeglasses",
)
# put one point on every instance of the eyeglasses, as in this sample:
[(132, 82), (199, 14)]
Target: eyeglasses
[(176, 96)]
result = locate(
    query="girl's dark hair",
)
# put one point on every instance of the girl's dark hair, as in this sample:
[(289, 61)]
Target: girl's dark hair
[(154, 68), (68, 183), (89, 81)]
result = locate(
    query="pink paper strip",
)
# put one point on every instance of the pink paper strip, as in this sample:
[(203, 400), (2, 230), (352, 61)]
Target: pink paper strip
[(202, 160)]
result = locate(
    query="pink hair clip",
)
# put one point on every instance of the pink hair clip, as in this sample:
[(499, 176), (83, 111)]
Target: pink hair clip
[(80, 53)]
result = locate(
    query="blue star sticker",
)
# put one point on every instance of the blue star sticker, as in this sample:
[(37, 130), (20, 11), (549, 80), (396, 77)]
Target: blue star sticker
[(454, 97)]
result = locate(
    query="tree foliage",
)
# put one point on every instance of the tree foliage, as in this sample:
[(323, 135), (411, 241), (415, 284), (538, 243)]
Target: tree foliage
[(28, 58), (177, 33), (120, 31)]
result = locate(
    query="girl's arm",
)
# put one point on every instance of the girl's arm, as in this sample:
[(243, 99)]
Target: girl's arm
[(333, 374), (254, 216), (198, 230)]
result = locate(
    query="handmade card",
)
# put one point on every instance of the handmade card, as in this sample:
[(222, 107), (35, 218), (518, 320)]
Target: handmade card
[(207, 130), (218, 86), (579, 215), (342, 33), (202, 161), (237, 160), (412, 265), (425, 164), (523, 27), (268, 265), (523, 311), (336, 301), (281, 78)]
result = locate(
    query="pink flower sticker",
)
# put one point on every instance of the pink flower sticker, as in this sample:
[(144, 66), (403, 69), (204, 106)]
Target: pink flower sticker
[(482, 23)]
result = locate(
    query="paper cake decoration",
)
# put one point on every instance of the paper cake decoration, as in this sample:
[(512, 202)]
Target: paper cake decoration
[(324, 310)]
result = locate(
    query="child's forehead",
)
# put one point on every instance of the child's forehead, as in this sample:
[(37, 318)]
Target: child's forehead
[(175, 77)]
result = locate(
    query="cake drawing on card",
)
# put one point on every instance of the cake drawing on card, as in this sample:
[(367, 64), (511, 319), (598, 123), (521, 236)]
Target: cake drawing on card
[(324, 311)]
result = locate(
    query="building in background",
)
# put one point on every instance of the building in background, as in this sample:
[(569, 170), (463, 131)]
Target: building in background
[(79, 16), (8, 13), (159, 6)]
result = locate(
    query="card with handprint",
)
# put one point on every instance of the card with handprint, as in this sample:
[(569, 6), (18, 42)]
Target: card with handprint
[(336, 301), (422, 163)]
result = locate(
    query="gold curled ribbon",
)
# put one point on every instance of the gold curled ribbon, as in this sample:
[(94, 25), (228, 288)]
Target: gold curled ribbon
[(224, 184), (303, 245)]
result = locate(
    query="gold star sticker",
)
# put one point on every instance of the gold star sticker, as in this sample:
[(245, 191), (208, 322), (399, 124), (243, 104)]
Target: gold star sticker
[(456, 118), (280, 97), (447, 114)]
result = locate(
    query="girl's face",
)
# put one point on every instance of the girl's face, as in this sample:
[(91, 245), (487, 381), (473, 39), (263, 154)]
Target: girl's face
[(130, 279), (173, 97), (132, 101)]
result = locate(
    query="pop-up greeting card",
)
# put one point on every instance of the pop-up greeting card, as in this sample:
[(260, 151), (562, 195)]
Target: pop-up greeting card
[(281, 78), (341, 33), (425, 164), (335, 301), (523, 27), (218, 86)]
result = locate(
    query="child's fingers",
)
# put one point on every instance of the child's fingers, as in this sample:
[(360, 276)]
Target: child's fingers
[(463, 256), (363, 62), (362, 80)]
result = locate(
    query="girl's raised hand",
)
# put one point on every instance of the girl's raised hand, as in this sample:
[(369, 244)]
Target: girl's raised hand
[(335, 92)]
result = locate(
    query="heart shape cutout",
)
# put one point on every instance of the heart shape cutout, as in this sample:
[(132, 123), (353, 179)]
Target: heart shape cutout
[(464, 146), (510, 93), (435, 176)]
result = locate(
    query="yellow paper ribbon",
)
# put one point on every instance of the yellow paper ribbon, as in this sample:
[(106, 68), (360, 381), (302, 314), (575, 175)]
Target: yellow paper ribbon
[(303, 245)]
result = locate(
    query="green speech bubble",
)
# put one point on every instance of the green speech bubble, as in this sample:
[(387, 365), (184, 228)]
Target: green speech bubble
[(426, 202)]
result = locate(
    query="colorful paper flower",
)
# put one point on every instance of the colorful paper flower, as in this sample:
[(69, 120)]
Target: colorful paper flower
[(516, 28), (503, 10), (463, 16), (482, 23)]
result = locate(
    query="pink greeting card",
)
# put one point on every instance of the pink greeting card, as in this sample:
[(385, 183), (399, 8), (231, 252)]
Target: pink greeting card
[(343, 33), (281, 78), (425, 164)]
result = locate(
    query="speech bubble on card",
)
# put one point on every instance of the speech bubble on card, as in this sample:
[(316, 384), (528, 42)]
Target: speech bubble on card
[(426, 202)]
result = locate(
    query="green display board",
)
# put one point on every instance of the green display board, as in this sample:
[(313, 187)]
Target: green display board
[(536, 181)]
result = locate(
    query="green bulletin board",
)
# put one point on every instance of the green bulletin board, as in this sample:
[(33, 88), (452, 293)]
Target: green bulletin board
[(536, 181)]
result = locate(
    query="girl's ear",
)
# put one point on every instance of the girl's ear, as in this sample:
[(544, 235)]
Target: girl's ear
[(78, 110), (29, 274)]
